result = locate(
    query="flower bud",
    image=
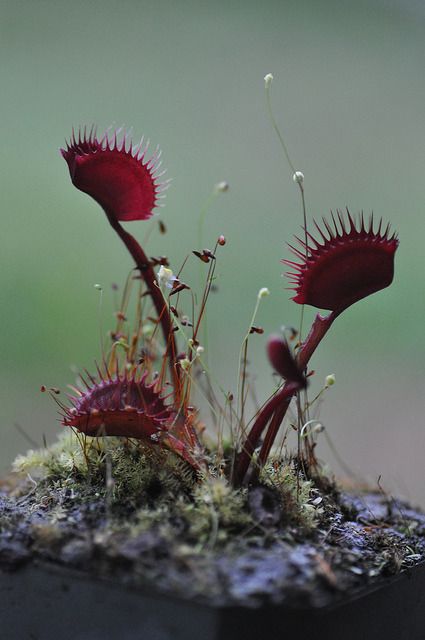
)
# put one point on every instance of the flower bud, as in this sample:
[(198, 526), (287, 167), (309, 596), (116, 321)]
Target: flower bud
[(165, 277), (268, 79), (330, 380), (298, 177), (264, 292), (185, 364), (221, 187)]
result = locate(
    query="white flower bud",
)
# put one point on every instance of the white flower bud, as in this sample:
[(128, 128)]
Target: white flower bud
[(268, 79), (330, 380), (221, 187), (263, 293), (165, 277), (185, 364), (98, 287), (298, 177), (199, 350)]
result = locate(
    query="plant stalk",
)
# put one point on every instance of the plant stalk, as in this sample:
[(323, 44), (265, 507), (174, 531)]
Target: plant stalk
[(279, 403), (148, 275)]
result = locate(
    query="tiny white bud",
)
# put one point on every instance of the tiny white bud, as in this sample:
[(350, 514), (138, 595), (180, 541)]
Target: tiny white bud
[(199, 350), (298, 177), (184, 363), (263, 293), (221, 187), (165, 277), (98, 287), (268, 79), (330, 380)]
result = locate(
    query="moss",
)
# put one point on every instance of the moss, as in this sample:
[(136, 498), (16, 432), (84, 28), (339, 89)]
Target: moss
[(216, 512), (117, 508), (154, 488), (301, 499)]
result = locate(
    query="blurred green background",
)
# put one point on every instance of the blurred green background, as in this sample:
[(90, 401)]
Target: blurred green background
[(349, 94)]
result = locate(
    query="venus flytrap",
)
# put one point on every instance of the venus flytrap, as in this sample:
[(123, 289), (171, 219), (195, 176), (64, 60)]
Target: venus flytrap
[(349, 262), (345, 261)]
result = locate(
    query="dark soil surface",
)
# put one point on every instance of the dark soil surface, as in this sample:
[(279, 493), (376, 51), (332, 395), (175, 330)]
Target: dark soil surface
[(357, 540)]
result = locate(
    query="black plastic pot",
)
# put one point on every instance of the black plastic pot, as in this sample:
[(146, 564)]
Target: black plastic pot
[(46, 602)]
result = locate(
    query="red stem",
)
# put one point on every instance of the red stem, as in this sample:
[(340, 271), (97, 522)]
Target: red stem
[(148, 274), (281, 398), (279, 403)]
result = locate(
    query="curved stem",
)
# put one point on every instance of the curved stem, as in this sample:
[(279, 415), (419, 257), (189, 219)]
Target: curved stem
[(319, 328), (148, 274)]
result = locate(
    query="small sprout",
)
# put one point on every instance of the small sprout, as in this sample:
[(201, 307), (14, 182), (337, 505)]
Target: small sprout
[(263, 293), (165, 277), (298, 177), (330, 380), (221, 187), (268, 79)]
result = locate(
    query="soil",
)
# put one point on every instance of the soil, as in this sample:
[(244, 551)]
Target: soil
[(262, 555)]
